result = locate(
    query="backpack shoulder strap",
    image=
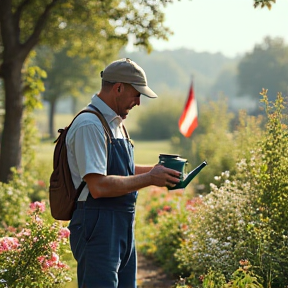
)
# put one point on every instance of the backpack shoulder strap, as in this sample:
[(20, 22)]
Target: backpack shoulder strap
[(105, 125), (97, 112)]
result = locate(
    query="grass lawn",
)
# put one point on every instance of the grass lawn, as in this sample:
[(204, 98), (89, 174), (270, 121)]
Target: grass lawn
[(147, 152)]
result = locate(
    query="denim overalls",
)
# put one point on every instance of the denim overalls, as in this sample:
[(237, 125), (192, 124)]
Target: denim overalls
[(101, 230)]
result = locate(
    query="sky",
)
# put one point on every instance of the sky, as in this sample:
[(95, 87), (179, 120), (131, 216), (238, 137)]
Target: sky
[(231, 27)]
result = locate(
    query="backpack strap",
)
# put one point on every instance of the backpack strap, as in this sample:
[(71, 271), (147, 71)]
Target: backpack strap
[(124, 128), (106, 128)]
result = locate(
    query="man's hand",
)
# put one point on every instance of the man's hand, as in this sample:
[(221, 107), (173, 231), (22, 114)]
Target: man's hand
[(162, 176)]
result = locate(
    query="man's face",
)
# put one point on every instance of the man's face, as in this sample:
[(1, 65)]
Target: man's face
[(128, 98)]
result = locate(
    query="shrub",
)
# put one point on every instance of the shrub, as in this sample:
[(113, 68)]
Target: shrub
[(243, 217), (246, 217), (218, 142), (159, 121), (14, 201), (29, 256)]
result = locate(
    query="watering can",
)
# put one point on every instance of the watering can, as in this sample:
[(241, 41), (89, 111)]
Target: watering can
[(175, 162)]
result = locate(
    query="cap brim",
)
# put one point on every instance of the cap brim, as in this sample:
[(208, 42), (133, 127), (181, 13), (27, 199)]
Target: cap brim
[(145, 90)]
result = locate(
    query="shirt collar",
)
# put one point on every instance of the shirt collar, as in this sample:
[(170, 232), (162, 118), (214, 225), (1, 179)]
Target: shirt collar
[(107, 112)]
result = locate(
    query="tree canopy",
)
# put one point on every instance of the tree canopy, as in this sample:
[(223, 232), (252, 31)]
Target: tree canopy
[(94, 29), (265, 67)]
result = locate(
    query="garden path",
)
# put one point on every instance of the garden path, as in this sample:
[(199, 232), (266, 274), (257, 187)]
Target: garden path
[(152, 276)]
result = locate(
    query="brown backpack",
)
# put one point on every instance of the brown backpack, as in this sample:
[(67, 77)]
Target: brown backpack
[(62, 193)]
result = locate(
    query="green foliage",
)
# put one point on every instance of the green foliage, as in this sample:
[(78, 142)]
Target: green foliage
[(213, 279), (169, 237), (246, 217), (243, 217), (23, 187), (160, 225), (29, 256), (33, 81), (218, 142), (13, 202), (216, 229), (89, 25), (158, 120), (265, 66), (244, 277), (33, 85), (268, 172), (67, 75)]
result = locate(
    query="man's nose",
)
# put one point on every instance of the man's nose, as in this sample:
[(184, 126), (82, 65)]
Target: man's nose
[(137, 102)]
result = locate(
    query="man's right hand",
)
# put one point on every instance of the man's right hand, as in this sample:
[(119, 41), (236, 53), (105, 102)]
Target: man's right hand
[(162, 176)]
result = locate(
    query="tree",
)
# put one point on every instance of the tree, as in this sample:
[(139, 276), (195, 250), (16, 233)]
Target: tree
[(71, 76), (94, 28), (265, 67), (264, 3)]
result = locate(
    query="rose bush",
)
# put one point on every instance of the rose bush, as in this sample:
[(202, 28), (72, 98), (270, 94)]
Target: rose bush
[(30, 255)]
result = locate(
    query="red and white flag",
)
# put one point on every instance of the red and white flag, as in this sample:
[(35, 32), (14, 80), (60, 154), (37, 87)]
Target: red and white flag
[(189, 118)]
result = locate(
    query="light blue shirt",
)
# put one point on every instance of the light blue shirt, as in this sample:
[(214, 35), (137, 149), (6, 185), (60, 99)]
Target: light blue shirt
[(86, 143)]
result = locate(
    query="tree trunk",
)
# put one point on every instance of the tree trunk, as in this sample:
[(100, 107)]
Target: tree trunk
[(11, 136), (51, 118)]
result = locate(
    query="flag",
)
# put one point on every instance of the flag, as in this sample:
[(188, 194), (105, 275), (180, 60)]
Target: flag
[(189, 118)]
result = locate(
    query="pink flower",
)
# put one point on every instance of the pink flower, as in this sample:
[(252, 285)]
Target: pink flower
[(64, 233), (38, 220), (41, 259), (167, 208), (53, 261), (184, 227), (54, 245), (192, 204), (40, 206), (54, 257), (62, 265), (8, 243), (24, 232), (41, 183)]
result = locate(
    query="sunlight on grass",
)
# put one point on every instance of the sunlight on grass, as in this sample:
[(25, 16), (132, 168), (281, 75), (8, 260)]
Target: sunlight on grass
[(147, 152)]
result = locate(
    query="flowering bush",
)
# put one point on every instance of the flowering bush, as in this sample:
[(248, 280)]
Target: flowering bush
[(245, 216), (156, 203), (13, 201), (29, 256)]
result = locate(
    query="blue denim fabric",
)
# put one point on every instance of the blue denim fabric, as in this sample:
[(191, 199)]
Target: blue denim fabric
[(102, 232)]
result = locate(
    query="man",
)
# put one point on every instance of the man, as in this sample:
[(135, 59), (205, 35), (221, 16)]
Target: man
[(102, 237)]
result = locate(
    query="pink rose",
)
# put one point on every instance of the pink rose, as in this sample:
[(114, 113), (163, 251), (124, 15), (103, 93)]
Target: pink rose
[(64, 233), (37, 206)]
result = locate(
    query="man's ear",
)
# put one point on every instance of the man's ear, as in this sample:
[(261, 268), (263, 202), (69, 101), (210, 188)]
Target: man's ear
[(117, 88)]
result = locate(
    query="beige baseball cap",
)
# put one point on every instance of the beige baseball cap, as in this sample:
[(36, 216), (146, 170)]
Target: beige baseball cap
[(127, 71)]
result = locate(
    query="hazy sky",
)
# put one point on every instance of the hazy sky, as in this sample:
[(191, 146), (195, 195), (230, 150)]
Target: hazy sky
[(228, 26)]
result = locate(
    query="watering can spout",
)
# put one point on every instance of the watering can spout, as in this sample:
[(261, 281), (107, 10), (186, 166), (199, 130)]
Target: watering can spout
[(193, 173)]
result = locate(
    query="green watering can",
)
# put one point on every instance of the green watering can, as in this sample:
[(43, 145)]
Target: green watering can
[(175, 162)]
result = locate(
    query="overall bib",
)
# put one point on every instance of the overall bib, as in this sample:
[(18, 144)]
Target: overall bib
[(101, 230)]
